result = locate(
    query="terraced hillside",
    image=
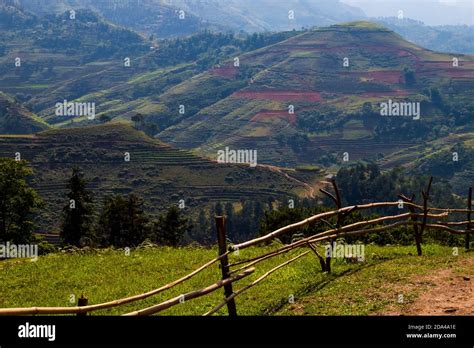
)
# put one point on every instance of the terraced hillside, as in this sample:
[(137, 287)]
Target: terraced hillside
[(15, 119), (336, 106), (122, 92), (157, 17), (161, 174), (46, 59), (40, 54), (450, 157)]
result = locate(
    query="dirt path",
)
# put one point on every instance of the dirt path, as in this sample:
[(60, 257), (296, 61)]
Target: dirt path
[(308, 187), (446, 292)]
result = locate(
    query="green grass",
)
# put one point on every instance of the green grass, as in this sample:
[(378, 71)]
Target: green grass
[(352, 289)]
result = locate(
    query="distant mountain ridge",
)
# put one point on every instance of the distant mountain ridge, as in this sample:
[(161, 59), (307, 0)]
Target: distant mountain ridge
[(162, 17), (269, 15), (153, 17), (446, 38)]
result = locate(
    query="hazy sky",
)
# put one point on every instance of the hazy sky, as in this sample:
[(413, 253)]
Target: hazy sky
[(432, 12)]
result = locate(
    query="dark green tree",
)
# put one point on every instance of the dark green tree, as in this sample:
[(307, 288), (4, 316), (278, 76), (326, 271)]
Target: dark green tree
[(78, 214), (202, 230), (409, 76), (436, 97), (18, 202), (171, 227), (104, 118), (367, 109), (123, 222), (138, 119)]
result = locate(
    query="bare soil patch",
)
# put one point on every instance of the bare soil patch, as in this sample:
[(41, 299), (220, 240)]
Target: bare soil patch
[(443, 292)]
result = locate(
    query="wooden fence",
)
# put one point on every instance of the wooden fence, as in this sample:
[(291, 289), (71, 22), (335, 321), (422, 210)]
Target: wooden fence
[(418, 216)]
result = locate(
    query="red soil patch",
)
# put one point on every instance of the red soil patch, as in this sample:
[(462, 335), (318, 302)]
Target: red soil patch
[(228, 72), (281, 95), (282, 114), (386, 76)]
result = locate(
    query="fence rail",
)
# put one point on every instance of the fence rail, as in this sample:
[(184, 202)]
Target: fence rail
[(230, 276)]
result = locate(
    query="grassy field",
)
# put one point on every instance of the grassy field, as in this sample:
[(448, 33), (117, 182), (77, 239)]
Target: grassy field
[(352, 289)]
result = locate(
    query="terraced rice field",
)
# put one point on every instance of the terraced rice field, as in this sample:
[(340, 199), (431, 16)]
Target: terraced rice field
[(158, 172)]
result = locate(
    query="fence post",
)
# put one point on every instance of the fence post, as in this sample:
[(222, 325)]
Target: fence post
[(469, 226), (222, 242), (419, 236), (413, 218), (336, 198), (81, 302)]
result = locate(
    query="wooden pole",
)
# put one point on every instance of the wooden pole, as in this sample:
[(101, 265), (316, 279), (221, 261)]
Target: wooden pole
[(414, 218), (110, 304), (339, 222), (320, 216), (82, 302), (241, 290), (327, 235), (320, 258), (419, 236), (222, 242), (190, 295), (469, 226)]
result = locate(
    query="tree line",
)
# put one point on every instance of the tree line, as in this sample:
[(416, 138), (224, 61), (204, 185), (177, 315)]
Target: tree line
[(121, 220)]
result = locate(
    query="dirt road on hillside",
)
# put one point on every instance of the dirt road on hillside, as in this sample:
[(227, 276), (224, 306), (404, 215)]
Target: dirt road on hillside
[(308, 187)]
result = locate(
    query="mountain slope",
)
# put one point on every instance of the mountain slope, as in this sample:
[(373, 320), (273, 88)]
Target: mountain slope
[(123, 92), (269, 15), (447, 38), (450, 157), (307, 72), (40, 53), (146, 16), (15, 119), (162, 175), (161, 17)]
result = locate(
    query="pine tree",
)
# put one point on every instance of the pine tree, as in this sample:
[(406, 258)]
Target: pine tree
[(123, 222), (203, 229), (172, 227), (18, 202), (78, 212)]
